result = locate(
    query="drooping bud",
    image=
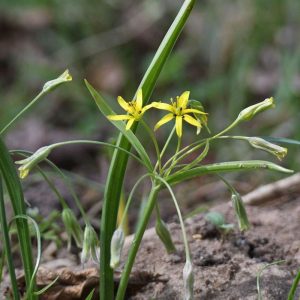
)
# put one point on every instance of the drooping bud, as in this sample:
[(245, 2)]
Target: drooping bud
[(90, 247), (259, 143), (164, 234), (249, 112), (30, 162), (72, 226), (240, 211), (52, 84), (116, 247), (188, 281)]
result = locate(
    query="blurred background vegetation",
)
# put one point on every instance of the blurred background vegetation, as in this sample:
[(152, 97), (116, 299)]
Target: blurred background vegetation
[(231, 54)]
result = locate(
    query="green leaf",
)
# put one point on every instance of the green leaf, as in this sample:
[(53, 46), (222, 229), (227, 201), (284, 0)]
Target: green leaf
[(119, 161), (15, 192), (225, 167), (106, 110)]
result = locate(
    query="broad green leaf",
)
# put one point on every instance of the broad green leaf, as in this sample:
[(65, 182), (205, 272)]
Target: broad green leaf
[(226, 167), (106, 110)]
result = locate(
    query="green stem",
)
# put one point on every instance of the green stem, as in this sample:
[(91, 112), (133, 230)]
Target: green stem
[(7, 246), (130, 197), (22, 112), (173, 163), (98, 143), (151, 134), (137, 241), (184, 236), (165, 146)]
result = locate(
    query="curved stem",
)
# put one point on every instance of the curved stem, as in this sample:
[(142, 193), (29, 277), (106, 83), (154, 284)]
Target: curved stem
[(173, 163), (97, 143), (66, 181), (137, 241), (130, 197), (184, 236)]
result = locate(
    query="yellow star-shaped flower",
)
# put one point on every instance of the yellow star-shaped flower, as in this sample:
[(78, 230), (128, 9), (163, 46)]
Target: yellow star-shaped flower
[(134, 109), (179, 111)]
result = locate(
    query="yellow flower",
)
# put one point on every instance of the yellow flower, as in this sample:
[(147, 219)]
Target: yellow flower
[(134, 109), (180, 112)]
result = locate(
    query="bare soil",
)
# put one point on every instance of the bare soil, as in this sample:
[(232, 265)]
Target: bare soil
[(225, 267)]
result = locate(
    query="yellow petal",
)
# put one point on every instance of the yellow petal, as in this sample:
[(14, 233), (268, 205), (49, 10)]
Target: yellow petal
[(163, 106), (178, 125), (191, 121), (129, 123), (118, 117), (146, 107), (23, 172), (183, 99), (192, 110), (123, 103), (139, 100), (164, 120)]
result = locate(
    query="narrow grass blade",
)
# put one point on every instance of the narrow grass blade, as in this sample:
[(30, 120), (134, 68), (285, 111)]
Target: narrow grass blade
[(281, 140), (106, 110), (293, 289), (119, 161), (225, 167), (15, 192), (259, 293), (30, 290), (7, 246)]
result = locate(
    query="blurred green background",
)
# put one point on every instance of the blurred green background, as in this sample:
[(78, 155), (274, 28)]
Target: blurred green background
[(231, 54)]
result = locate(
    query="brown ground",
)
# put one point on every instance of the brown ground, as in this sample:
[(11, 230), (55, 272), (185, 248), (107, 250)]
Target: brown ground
[(225, 266)]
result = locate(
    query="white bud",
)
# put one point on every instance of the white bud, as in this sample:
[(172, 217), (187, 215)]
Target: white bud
[(30, 162), (52, 84), (188, 280), (259, 143), (116, 247)]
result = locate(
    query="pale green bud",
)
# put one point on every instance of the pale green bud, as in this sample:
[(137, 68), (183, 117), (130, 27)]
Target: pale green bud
[(90, 247), (188, 281), (249, 112), (259, 143), (52, 84), (30, 162), (163, 233), (116, 247), (72, 226), (240, 211)]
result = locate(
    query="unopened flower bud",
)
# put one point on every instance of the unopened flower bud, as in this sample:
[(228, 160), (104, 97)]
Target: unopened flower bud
[(72, 226), (259, 143), (90, 247), (116, 247), (163, 233), (188, 280), (240, 211), (30, 162), (249, 112), (52, 84)]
